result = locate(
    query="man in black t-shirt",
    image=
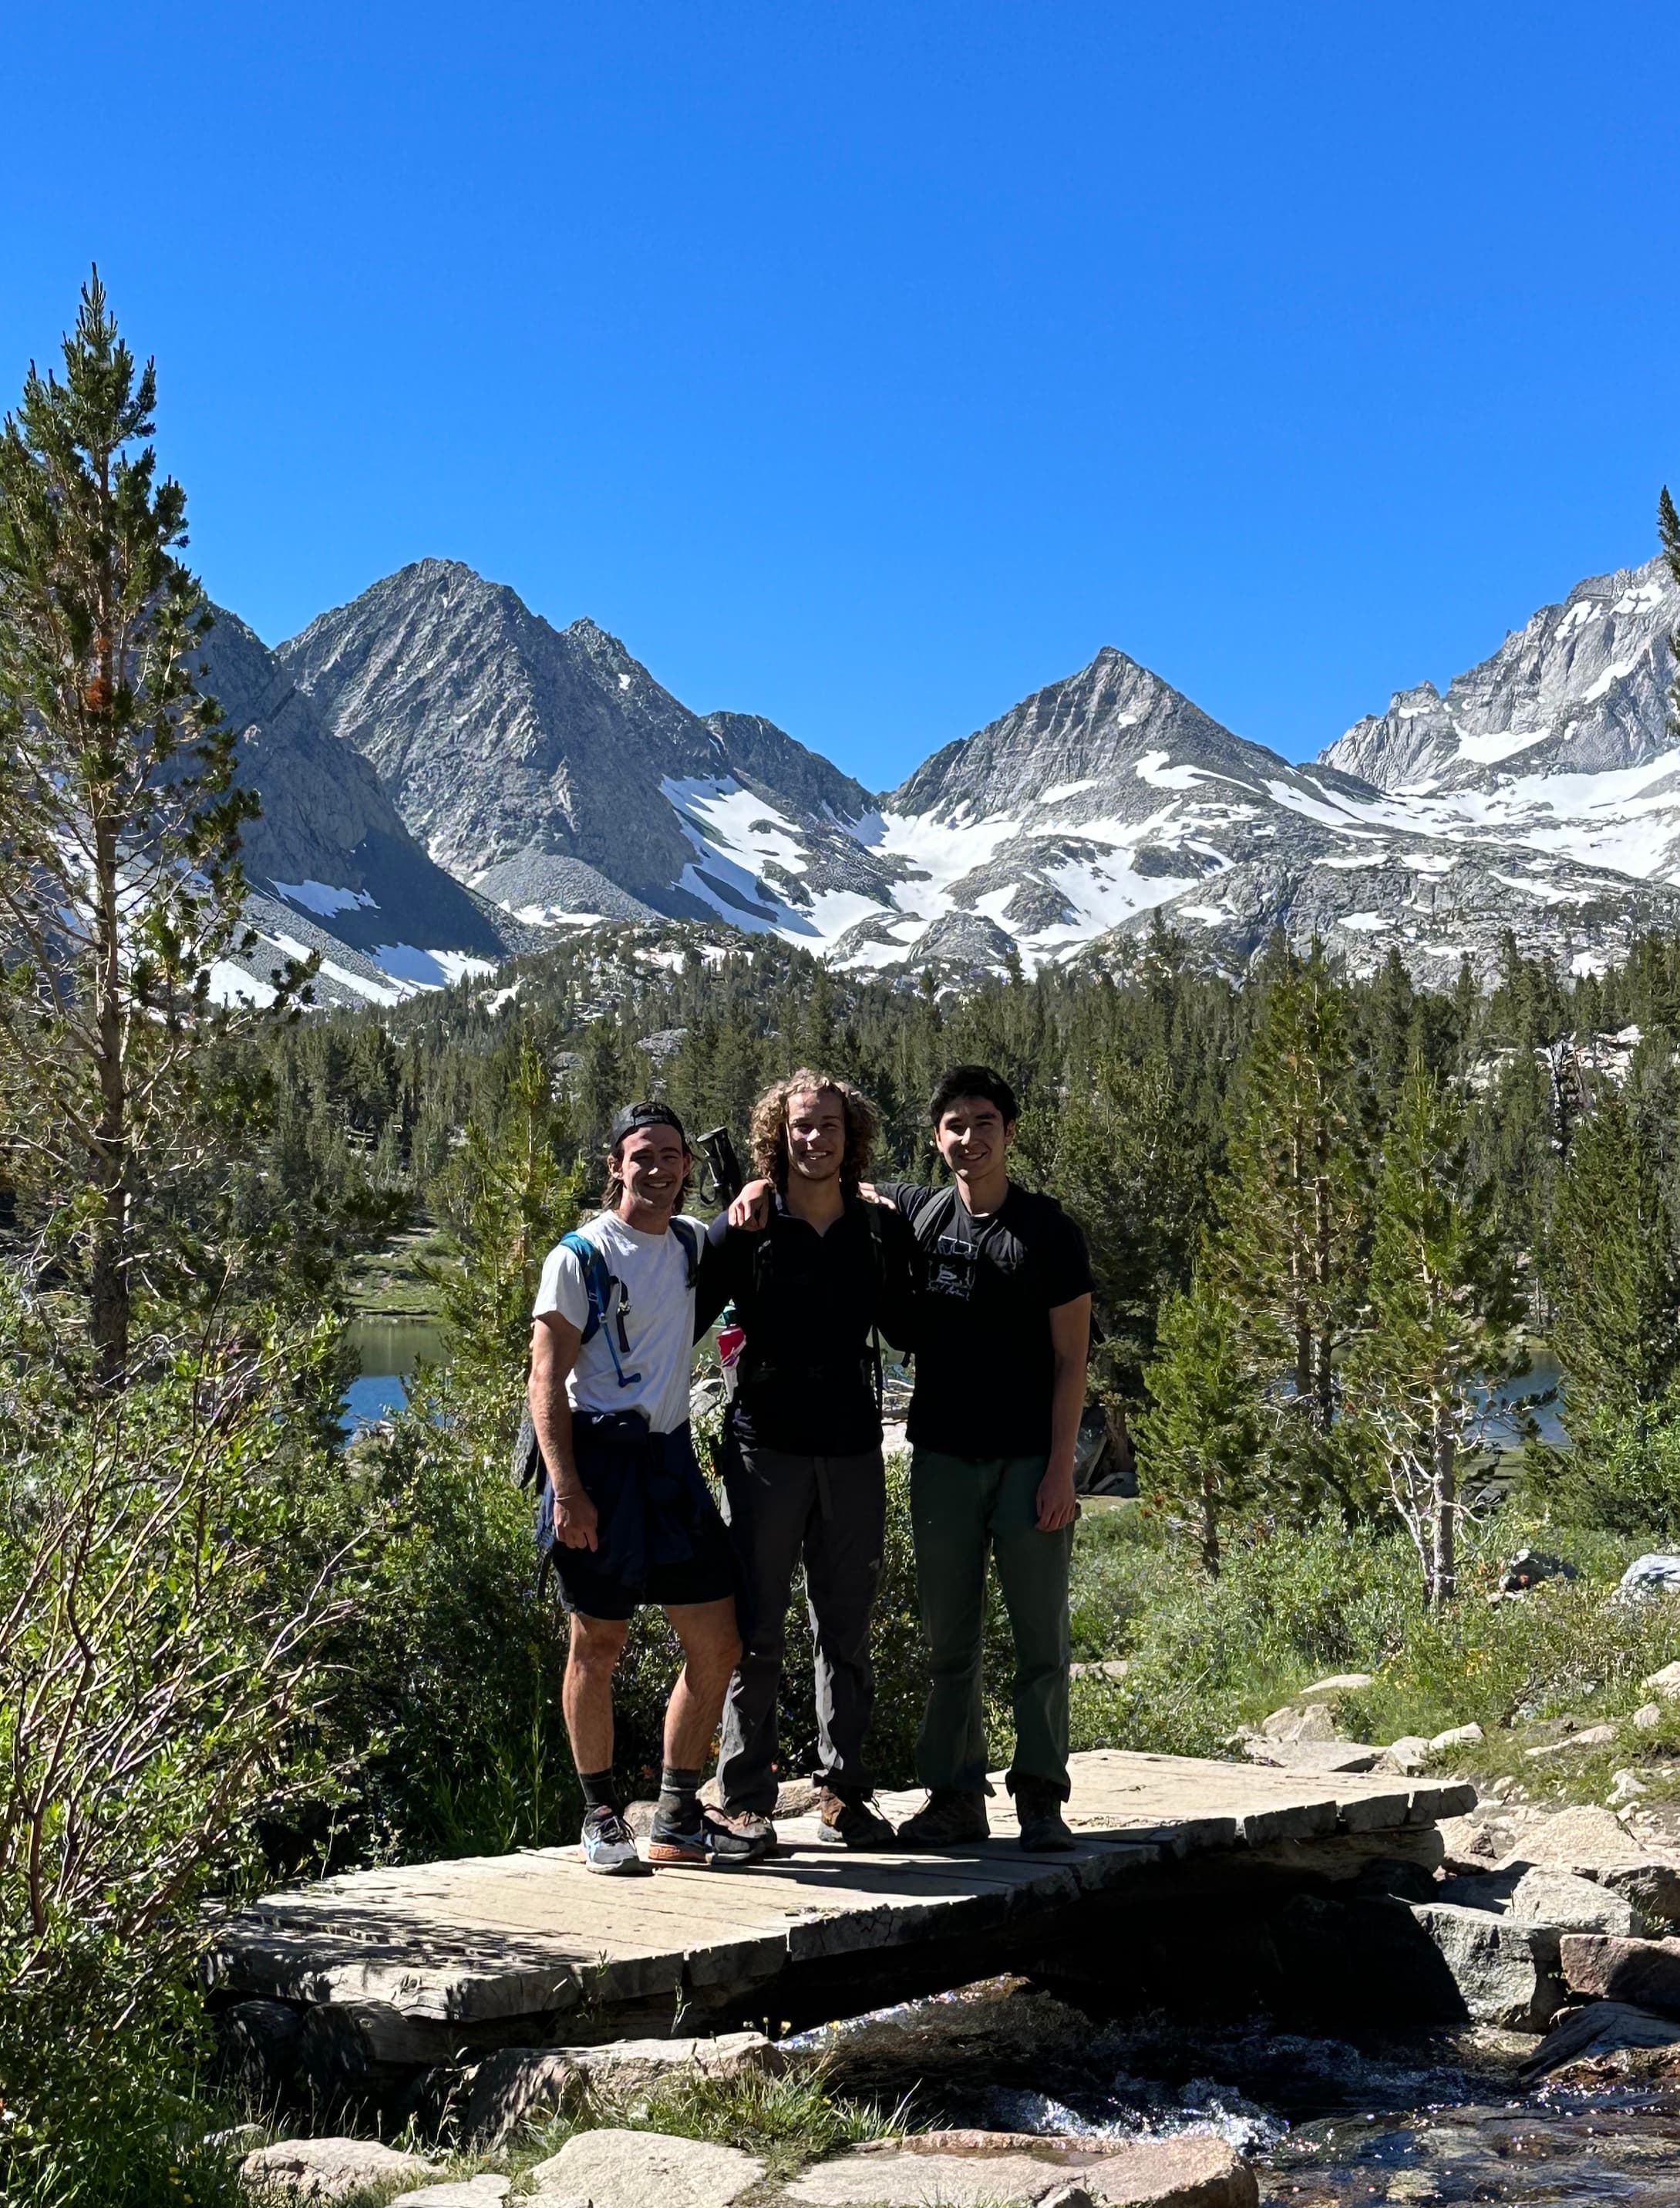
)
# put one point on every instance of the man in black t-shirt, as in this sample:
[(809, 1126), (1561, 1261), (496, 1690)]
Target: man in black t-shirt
[(803, 1479), (1002, 1327)]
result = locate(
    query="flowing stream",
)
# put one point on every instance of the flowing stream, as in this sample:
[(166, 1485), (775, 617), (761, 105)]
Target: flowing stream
[(1435, 2117)]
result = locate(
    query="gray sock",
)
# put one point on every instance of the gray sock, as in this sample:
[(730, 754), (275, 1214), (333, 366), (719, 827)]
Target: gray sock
[(678, 1795)]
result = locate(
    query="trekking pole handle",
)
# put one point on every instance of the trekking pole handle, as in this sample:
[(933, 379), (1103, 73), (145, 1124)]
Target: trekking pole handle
[(719, 1152)]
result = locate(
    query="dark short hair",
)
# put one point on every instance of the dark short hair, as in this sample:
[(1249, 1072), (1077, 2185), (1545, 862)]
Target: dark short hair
[(974, 1081)]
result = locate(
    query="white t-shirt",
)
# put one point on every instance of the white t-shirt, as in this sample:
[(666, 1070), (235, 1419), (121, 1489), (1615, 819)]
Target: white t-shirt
[(651, 1296)]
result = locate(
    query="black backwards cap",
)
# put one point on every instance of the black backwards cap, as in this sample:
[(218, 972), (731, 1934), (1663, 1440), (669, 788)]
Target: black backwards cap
[(643, 1115)]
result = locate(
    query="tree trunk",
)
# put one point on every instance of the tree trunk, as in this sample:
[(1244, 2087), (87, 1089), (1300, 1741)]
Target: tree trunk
[(108, 1287), (1210, 1527), (1121, 1448), (1325, 1378), (1443, 1510)]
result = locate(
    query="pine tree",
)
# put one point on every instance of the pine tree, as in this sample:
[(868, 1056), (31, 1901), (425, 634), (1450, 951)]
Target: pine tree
[(1444, 1311), (603, 1083), (1200, 1439), (1514, 1141), (120, 886), (1288, 1254), (508, 1196), (1131, 1166), (1612, 1270)]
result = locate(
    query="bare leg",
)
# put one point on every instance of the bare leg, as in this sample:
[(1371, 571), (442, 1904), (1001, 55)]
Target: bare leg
[(586, 1696), (711, 1650)]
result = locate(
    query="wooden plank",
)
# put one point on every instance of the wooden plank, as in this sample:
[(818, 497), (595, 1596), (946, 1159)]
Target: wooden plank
[(489, 1938)]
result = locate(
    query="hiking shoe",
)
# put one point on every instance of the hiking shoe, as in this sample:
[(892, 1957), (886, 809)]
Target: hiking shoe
[(736, 1837), (674, 1845), (609, 1844), (950, 1818), (1043, 1828), (852, 1820)]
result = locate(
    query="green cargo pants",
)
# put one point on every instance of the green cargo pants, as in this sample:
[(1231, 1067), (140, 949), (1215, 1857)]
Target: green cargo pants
[(960, 1508)]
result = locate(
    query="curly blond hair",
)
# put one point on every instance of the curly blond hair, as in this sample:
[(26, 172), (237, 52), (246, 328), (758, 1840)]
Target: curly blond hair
[(770, 1124)]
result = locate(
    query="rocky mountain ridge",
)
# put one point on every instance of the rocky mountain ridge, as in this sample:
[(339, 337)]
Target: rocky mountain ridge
[(511, 750), (332, 868), (559, 784)]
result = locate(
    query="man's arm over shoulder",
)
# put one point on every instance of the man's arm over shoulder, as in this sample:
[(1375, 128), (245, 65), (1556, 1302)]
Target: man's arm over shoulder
[(899, 1258), (719, 1282), (904, 1196)]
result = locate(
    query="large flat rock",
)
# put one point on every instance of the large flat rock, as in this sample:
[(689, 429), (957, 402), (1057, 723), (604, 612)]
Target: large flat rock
[(1601, 2027), (486, 2192), (1591, 1843), (1192, 2171), (645, 2169), (1506, 1972), (517, 2085), (325, 2169)]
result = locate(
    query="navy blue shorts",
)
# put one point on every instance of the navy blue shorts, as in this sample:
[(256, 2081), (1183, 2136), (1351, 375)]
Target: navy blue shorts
[(660, 1537)]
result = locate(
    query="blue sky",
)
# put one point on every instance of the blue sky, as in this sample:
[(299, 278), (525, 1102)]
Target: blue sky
[(869, 367)]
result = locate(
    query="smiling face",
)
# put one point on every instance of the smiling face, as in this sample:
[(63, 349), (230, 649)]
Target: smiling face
[(816, 1130), (652, 1163), (974, 1139)]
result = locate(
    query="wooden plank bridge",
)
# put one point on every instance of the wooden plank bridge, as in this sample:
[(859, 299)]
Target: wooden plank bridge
[(422, 1963)]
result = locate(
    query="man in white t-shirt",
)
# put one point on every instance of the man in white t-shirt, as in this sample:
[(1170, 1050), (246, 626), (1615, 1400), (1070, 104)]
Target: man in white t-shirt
[(624, 1517)]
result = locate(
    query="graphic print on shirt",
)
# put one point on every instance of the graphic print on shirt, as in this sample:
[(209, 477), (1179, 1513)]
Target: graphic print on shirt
[(952, 1271)]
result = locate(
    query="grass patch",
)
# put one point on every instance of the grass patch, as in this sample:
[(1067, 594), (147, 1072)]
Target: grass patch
[(1207, 1656), (784, 2121), (388, 1283)]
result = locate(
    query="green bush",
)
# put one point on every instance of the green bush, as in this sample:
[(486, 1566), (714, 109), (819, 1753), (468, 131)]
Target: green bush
[(1564, 1649), (162, 1669), (1208, 1655), (1622, 1477)]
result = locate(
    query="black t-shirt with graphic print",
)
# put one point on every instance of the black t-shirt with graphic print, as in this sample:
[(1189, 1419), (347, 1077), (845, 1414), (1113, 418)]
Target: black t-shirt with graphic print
[(985, 1365)]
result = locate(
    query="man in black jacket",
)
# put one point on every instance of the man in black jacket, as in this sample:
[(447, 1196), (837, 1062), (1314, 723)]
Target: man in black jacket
[(802, 1470)]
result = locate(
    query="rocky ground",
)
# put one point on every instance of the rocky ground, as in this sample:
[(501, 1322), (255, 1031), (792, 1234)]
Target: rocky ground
[(1527, 1976)]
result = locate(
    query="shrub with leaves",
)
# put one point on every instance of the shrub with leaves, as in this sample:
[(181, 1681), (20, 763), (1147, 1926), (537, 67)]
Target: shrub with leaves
[(161, 1677)]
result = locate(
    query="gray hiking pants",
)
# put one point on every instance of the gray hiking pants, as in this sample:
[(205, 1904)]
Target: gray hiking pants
[(832, 1512)]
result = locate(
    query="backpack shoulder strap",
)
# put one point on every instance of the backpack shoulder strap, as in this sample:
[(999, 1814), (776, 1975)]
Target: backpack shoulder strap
[(690, 1233), (597, 1280), (599, 1286), (932, 1221)]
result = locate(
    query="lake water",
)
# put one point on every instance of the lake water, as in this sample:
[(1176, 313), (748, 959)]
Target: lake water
[(1542, 1379), (390, 1351)]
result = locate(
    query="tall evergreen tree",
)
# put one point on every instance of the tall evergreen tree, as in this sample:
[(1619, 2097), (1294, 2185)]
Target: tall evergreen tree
[(1200, 1439), (120, 886), (1442, 1313), (508, 1194), (1129, 1164), (1289, 1250), (1611, 1268), (1668, 530)]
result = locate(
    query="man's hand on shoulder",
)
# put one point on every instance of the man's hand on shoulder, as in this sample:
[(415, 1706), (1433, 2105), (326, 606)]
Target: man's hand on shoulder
[(751, 1209), (872, 1192)]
